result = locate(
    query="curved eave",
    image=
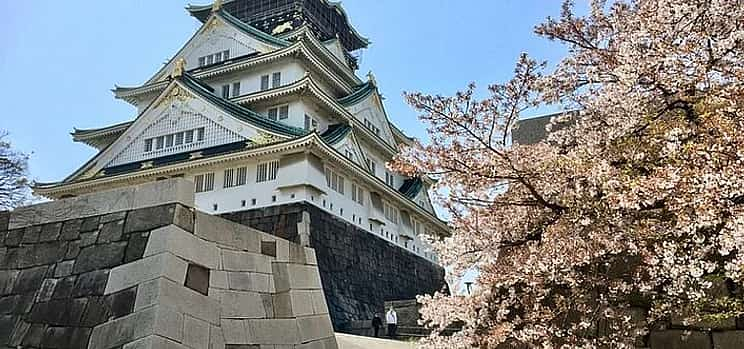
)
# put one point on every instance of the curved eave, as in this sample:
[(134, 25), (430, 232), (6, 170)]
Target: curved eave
[(361, 93), (349, 79), (80, 135), (336, 133), (253, 31)]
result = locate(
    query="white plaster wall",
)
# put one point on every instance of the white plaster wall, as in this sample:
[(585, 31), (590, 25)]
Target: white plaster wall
[(250, 80), (295, 167)]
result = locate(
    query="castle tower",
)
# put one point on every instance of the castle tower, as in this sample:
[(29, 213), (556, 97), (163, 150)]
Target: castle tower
[(263, 110)]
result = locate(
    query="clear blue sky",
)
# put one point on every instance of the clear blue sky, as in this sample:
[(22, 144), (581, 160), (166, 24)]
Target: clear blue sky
[(60, 59)]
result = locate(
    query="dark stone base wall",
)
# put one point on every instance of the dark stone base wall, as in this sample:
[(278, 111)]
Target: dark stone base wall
[(53, 276), (360, 271)]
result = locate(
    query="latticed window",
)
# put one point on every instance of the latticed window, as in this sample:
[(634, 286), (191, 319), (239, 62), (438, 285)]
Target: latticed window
[(264, 83), (204, 182), (267, 171), (276, 80), (229, 178)]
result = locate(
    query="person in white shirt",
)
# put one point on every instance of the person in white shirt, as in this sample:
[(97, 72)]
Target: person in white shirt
[(392, 322)]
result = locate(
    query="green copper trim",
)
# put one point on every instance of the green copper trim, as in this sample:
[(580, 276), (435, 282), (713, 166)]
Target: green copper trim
[(363, 91), (335, 133), (252, 30)]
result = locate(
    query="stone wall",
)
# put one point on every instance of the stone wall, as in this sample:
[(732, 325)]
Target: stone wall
[(360, 271), (138, 268)]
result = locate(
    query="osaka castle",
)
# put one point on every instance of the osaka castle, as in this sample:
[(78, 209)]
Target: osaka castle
[(264, 111)]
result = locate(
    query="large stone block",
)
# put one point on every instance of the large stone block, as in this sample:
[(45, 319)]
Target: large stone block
[(242, 305), (154, 342), (150, 321), (245, 262), (183, 244), (162, 265), (100, 257), (295, 276), (150, 218), (728, 340), (164, 192), (246, 281), (313, 328), (293, 303), (195, 333), (679, 339), (175, 296), (233, 331), (272, 331), (227, 233)]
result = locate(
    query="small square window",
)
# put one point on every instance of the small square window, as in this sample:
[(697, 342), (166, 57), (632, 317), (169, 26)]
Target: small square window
[(200, 134), (273, 113), (273, 198), (225, 91), (160, 143), (215, 207), (148, 145), (197, 279), (202, 61), (242, 203), (179, 138), (236, 89), (169, 141), (253, 202), (264, 83), (189, 137), (276, 80), (225, 55), (283, 112)]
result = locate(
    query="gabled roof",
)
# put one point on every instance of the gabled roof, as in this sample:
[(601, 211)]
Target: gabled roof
[(99, 137), (360, 93), (234, 23)]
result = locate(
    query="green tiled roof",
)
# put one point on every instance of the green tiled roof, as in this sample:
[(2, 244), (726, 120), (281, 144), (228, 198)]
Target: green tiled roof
[(335, 133), (361, 92), (411, 187)]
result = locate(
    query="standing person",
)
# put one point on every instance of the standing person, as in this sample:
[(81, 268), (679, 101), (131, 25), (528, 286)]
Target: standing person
[(376, 324), (392, 322)]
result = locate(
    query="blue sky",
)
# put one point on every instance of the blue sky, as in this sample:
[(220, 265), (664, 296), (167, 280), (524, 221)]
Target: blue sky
[(60, 59)]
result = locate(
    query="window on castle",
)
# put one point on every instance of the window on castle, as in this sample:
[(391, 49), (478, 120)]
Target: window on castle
[(200, 134), (357, 194), (169, 141), (276, 80), (390, 179), (372, 127), (335, 181), (229, 178), (391, 213), (148, 145), (202, 61), (160, 142), (279, 113), (267, 171), (204, 182), (225, 55), (372, 167), (236, 89), (210, 60), (310, 123), (179, 138), (241, 176), (226, 91), (264, 83), (189, 136)]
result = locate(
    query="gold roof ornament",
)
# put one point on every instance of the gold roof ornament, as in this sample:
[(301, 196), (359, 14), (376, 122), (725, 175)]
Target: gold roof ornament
[(179, 69), (217, 5)]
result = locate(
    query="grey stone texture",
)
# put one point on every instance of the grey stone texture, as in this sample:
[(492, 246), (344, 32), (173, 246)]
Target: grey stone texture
[(359, 271), (137, 268)]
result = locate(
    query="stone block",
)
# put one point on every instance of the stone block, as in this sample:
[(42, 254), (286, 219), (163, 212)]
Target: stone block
[(65, 337), (7, 279), (115, 216), (47, 288), (63, 269), (164, 192), (4, 219), (41, 254), (293, 303), (313, 328), (319, 302), (216, 339), (124, 330), (728, 340), (79, 207), (295, 277), (161, 265), (136, 247), (150, 218), (268, 248), (310, 257), (29, 280), (197, 279), (14, 238), (50, 232), (217, 279), (89, 224), (227, 233), (16, 304), (91, 284), (195, 333), (87, 239), (183, 244), (71, 229), (73, 250), (110, 232), (234, 331), (242, 305), (245, 262), (100, 257), (679, 339), (31, 235), (169, 324), (272, 331), (175, 296), (246, 281)]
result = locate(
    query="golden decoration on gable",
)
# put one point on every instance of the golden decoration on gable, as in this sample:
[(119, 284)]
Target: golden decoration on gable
[(264, 138), (213, 24), (177, 94)]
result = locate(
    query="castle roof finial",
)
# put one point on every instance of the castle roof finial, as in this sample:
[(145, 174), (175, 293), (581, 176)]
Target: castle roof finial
[(217, 5), (371, 78), (179, 69)]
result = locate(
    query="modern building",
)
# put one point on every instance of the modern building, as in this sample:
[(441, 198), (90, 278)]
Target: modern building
[(262, 108)]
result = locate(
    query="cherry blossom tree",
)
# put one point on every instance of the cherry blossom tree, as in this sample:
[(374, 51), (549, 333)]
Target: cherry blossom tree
[(630, 214), (14, 183)]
